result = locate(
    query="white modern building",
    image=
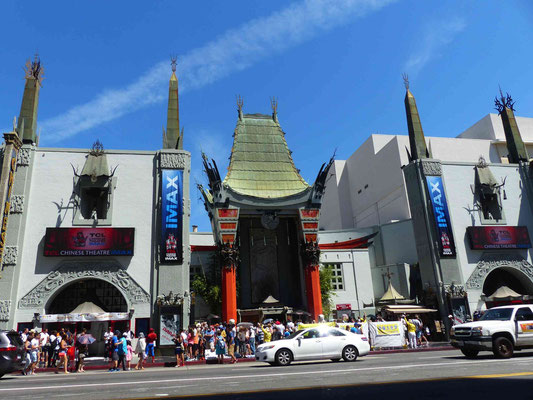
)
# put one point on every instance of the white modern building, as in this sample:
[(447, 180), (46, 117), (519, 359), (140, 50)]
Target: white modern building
[(400, 181)]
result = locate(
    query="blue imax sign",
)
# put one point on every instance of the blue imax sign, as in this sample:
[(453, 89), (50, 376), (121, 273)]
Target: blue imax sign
[(441, 215), (171, 216)]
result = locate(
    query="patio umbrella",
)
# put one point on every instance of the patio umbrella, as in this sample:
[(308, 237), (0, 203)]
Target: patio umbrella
[(247, 325), (86, 339)]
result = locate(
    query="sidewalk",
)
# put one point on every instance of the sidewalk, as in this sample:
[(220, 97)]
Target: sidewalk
[(170, 361)]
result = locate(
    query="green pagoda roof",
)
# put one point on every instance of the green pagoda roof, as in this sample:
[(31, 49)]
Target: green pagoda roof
[(261, 164)]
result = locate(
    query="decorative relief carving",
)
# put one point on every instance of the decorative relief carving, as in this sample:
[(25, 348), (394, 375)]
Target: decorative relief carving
[(17, 204), (431, 168), (5, 306), (24, 156), (454, 290), (70, 272), (228, 254), (311, 254), (173, 160), (10, 255), (492, 261)]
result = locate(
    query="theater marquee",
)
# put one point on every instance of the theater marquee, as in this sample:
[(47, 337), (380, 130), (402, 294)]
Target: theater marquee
[(72, 242), (498, 237)]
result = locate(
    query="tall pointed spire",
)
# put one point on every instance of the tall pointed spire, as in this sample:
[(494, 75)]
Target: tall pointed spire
[(27, 123), (515, 144), (172, 139), (416, 134)]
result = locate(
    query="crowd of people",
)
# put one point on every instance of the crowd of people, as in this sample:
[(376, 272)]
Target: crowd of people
[(57, 349), (66, 351), (204, 340)]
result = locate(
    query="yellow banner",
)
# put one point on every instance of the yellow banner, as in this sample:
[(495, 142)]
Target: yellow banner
[(305, 326), (387, 329)]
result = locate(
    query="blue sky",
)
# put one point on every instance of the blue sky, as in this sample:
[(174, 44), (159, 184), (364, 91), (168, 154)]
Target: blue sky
[(334, 65)]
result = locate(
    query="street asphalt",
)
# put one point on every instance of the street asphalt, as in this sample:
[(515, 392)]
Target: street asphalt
[(432, 374)]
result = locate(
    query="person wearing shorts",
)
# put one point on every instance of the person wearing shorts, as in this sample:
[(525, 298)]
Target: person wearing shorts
[(179, 349)]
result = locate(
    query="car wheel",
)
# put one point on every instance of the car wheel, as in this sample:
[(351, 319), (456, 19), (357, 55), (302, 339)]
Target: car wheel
[(502, 348), (470, 353), (283, 357), (349, 353), (335, 359)]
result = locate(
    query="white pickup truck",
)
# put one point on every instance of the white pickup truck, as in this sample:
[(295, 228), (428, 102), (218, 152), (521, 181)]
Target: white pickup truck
[(500, 330)]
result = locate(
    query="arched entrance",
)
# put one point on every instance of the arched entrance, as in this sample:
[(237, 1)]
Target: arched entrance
[(506, 276), (108, 304), (103, 294)]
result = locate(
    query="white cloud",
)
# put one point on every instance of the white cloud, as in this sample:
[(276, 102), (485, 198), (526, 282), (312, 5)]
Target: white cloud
[(233, 51), (436, 35)]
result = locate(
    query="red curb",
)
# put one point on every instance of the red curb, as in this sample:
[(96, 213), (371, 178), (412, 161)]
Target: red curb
[(150, 365), (419, 349)]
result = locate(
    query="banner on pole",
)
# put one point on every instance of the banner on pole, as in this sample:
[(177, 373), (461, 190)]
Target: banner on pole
[(171, 241)]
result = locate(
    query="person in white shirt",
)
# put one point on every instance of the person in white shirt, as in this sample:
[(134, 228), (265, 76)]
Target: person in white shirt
[(251, 339), (107, 340), (34, 353), (24, 335), (44, 347)]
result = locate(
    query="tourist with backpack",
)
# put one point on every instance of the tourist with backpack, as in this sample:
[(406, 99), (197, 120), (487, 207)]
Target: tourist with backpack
[(220, 347)]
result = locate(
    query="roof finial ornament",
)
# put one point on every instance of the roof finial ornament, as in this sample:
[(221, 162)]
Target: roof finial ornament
[(482, 163), (274, 105), (503, 102), (240, 103), (405, 80), (34, 69), (173, 62)]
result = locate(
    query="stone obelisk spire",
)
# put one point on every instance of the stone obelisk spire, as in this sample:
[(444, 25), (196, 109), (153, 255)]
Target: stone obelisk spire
[(417, 140), (172, 138)]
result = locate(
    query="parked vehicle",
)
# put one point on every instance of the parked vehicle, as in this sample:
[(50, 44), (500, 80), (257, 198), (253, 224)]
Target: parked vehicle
[(11, 352), (501, 330), (313, 344)]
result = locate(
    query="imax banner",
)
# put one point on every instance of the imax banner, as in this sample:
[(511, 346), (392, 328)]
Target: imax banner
[(171, 216), (441, 215)]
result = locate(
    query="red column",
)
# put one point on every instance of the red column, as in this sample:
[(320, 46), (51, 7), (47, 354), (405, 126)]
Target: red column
[(229, 294), (314, 297)]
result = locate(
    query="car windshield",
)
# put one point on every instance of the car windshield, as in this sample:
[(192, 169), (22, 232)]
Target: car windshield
[(294, 334), (500, 314)]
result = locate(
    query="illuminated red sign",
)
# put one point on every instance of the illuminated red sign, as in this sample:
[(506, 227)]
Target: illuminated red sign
[(498, 237), (72, 242), (342, 307)]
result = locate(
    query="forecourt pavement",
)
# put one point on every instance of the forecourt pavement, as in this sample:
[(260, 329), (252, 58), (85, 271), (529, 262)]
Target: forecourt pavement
[(255, 380)]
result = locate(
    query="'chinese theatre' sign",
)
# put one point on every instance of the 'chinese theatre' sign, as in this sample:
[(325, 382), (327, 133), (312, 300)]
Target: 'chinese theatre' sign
[(171, 216), (441, 215), (65, 242), (498, 237)]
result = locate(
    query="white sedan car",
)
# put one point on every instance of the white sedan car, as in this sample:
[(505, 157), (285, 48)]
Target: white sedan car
[(312, 344)]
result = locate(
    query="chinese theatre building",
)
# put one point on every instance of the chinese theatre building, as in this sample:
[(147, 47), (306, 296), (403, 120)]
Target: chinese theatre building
[(265, 223), (94, 238), (453, 215)]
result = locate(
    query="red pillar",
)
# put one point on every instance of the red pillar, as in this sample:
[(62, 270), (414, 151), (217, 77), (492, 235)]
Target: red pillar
[(314, 296), (229, 294)]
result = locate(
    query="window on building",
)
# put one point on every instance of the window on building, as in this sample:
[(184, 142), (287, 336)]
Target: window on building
[(195, 270), (94, 202), (488, 195), (337, 279), (93, 189)]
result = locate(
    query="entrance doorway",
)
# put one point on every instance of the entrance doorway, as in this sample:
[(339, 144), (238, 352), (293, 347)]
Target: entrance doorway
[(511, 277), (103, 295)]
